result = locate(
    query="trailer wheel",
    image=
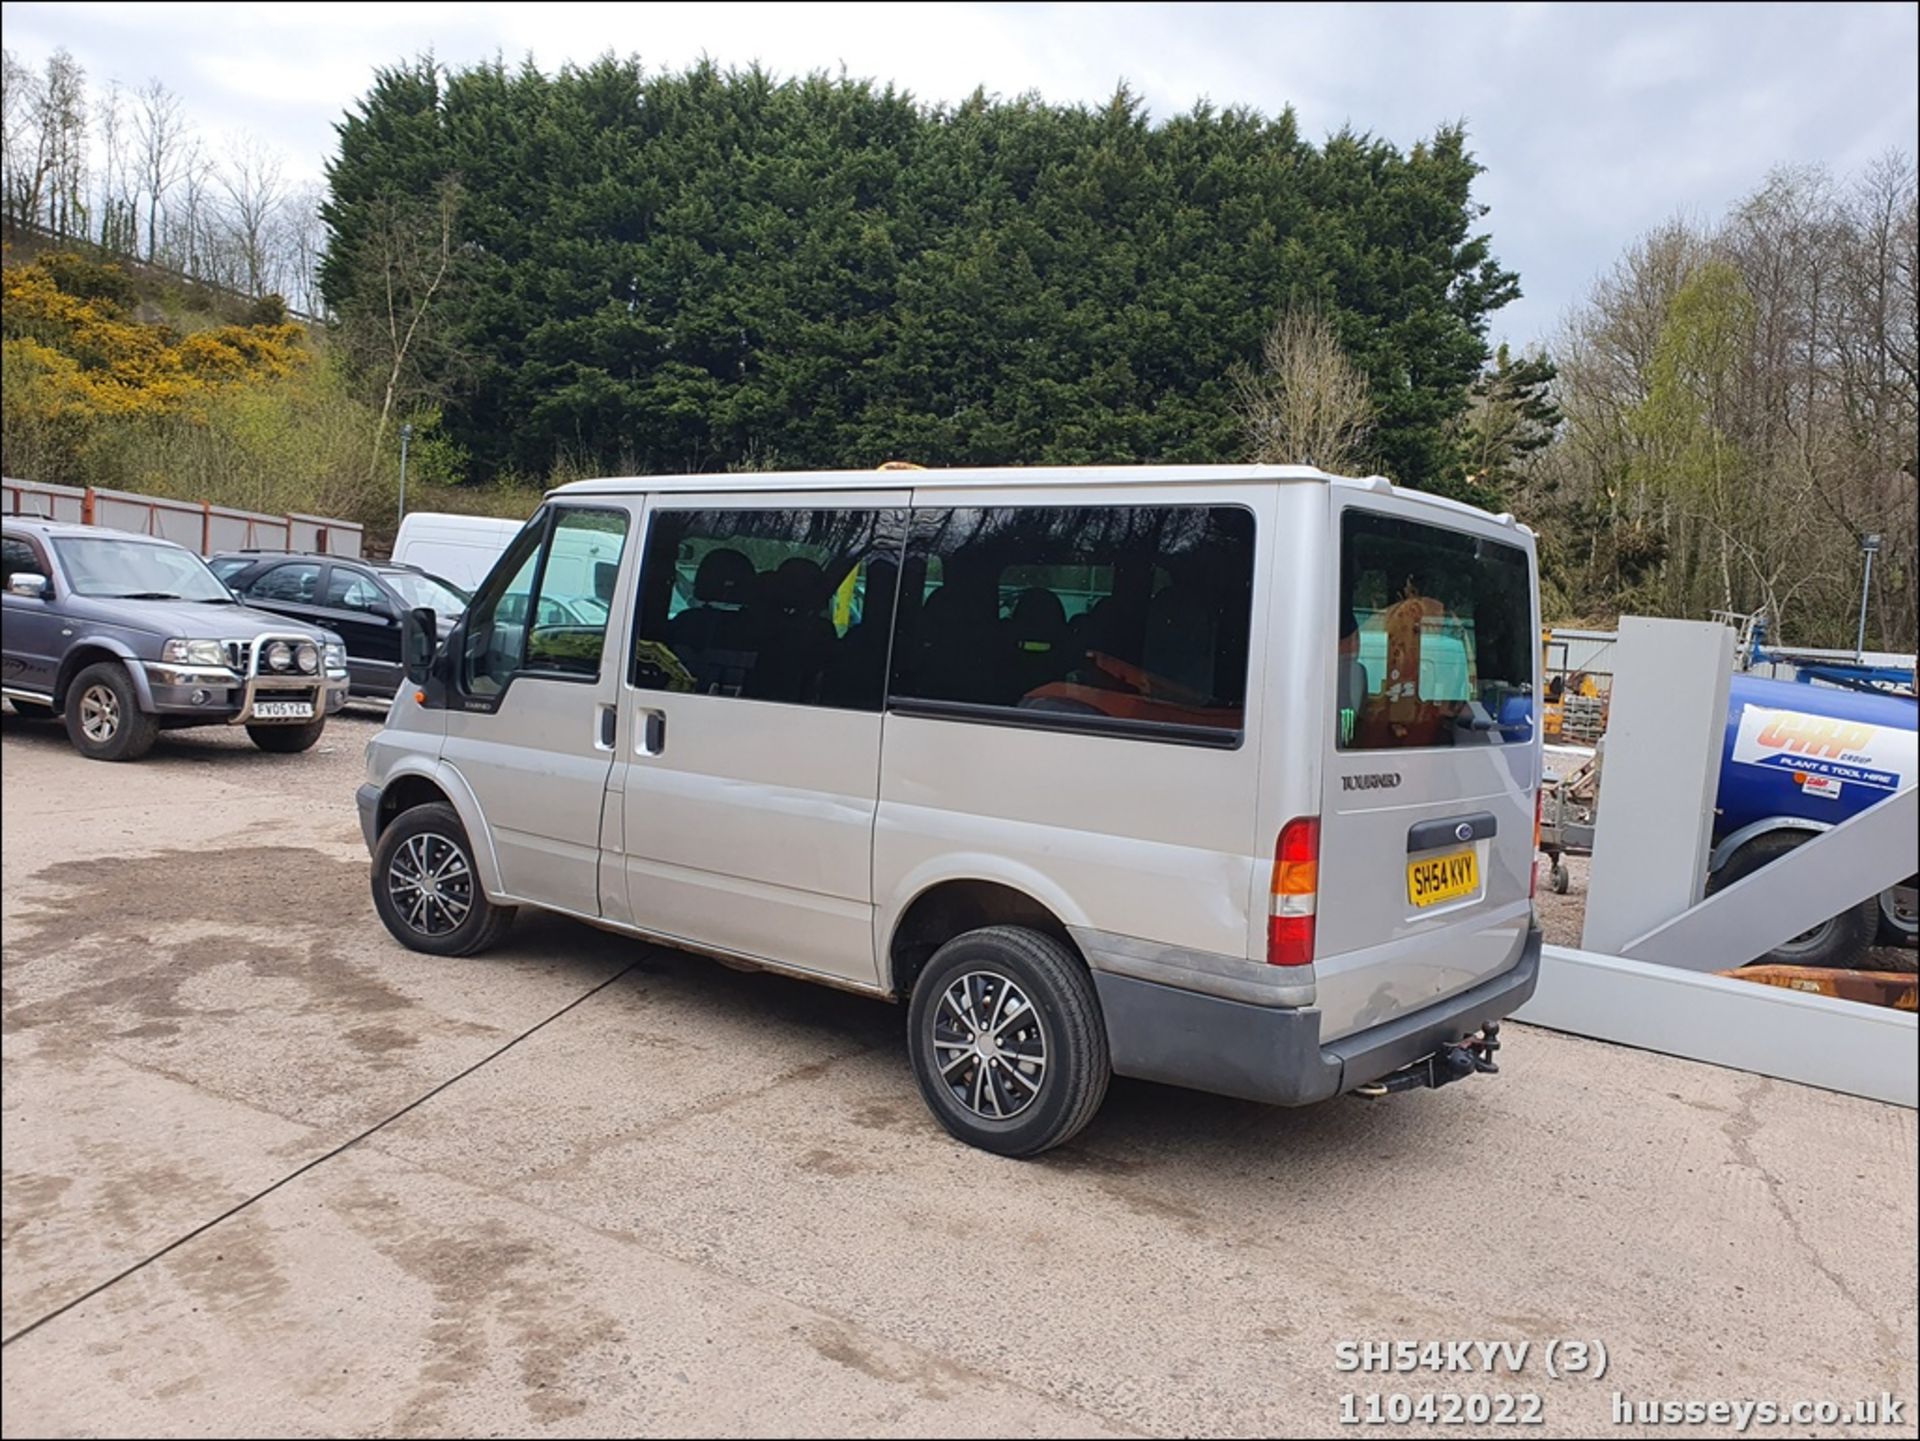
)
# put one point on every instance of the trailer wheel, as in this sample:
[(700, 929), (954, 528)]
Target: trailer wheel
[(1899, 915), (1558, 878), (1840, 940)]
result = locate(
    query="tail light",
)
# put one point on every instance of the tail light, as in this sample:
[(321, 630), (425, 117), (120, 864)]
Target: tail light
[(1533, 865), (1296, 882)]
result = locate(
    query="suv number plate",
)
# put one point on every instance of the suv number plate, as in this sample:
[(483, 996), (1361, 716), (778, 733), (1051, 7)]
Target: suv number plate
[(1443, 878), (283, 710)]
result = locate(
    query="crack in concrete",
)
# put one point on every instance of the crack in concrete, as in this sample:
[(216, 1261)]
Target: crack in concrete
[(1740, 1128)]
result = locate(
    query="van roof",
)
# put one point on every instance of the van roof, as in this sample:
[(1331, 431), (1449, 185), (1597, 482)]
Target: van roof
[(1004, 477)]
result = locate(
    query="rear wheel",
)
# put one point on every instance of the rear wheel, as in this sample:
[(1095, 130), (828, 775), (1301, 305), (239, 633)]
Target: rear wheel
[(104, 719), (1840, 940), (425, 887), (287, 740), (1007, 1042)]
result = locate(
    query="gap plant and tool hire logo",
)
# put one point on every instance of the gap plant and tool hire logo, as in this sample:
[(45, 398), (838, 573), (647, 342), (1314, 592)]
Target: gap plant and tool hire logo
[(1877, 757)]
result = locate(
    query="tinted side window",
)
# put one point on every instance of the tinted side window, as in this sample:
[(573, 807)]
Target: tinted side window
[(350, 590), (227, 567), (779, 605), (1121, 618), (1436, 636), (295, 583)]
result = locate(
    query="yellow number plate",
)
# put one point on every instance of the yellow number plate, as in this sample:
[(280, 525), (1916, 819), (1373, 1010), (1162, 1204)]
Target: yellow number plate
[(1443, 878)]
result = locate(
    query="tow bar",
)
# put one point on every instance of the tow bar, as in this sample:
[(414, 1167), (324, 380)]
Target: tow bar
[(1452, 1062)]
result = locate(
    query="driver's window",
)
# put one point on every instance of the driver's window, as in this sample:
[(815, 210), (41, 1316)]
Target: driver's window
[(497, 620), (576, 585), (18, 559), (548, 614)]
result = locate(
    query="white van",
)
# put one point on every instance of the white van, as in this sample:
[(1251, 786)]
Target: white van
[(460, 548), (1223, 776)]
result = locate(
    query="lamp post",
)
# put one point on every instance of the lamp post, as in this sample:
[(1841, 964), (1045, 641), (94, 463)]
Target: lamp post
[(1869, 547), (406, 434)]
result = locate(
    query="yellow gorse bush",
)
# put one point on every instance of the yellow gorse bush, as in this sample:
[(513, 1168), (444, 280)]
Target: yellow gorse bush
[(82, 356)]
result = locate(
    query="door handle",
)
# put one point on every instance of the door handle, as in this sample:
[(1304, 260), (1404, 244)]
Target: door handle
[(653, 732), (608, 728)]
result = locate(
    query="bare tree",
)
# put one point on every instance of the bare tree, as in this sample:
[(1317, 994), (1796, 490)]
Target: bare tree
[(160, 132), (409, 254), (255, 191), (119, 216), (22, 166), (300, 241), (59, 107), (1308, 404), (190, 225)]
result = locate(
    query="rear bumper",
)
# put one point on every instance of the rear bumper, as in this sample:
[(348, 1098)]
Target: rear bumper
[(1273, 1054)]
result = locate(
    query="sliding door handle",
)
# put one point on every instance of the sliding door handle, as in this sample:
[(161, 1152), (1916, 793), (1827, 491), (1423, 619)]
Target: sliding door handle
[(653, 732), (608, 735)]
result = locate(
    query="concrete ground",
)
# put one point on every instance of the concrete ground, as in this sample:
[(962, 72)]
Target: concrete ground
[(696, 1201)]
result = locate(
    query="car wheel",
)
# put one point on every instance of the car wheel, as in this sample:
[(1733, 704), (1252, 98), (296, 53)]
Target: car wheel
[(1839, 940), (287, 740), (104, 719), (426, 889), (31, 710), (1006, 1039)]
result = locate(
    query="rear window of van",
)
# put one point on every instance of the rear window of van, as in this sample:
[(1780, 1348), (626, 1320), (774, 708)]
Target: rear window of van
[(1435, 636)]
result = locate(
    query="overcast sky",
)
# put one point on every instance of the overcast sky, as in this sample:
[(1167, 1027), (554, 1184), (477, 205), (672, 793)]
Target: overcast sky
[(1595, 122)]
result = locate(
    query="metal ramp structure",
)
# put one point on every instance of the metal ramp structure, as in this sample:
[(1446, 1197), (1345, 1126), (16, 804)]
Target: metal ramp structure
[(1645, 977)]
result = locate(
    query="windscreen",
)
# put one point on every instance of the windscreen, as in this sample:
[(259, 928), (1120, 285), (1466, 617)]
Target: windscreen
[(136, 570), (1434, 636)]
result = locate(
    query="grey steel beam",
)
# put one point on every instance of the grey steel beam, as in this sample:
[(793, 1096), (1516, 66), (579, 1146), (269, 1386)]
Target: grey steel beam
[(1871, 1051), (1821, 877)]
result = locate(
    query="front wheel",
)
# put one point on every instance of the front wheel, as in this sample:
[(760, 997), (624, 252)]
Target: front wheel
[(425, 887), (1007, 1042), (104, 719), (285, 739)]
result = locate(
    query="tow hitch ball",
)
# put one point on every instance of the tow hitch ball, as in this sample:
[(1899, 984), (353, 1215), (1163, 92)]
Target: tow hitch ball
[(1452, 1062)]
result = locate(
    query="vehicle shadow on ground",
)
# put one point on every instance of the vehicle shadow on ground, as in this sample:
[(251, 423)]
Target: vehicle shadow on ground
[(216, 742), (1142, 1125)]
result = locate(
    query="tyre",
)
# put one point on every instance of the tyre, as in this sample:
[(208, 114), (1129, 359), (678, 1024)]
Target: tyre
[(31, 710), (287, 740), (1006, 1040), (1558, 879), (104, 719), (1840, 940), (426, 889), (1900, 917)]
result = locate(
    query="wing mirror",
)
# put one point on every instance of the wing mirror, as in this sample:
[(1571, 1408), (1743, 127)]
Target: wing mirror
[(420, 633), (30, 584)]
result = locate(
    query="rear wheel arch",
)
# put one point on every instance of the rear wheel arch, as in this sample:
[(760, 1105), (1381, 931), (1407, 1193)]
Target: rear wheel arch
[(951, 908)]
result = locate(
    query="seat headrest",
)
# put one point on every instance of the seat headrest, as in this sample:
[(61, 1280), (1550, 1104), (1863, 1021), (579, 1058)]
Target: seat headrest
[(1038, 614), (799, 585), (725, 577)]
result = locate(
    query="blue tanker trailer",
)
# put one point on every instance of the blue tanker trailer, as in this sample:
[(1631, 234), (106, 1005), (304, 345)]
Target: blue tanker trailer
[(1798, 760)]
